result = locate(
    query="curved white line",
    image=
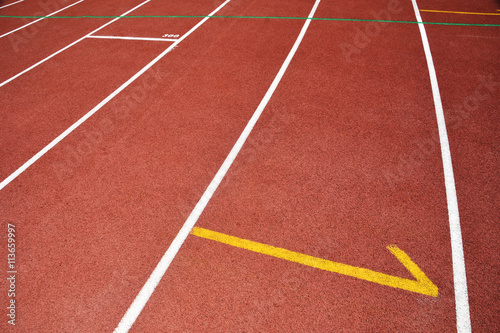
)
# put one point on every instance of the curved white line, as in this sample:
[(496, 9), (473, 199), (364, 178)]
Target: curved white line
[(457, 249)]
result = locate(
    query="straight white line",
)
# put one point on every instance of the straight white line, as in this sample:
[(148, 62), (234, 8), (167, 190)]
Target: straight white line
[(70, 45), (154, 279), (136, 38), (10, 4), (28, 24), (457, 250), (54, 142)]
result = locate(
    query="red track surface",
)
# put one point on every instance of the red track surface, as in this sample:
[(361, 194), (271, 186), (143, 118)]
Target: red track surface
[(343, 162)]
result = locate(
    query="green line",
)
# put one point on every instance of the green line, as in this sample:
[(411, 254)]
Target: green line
[(256, 17)]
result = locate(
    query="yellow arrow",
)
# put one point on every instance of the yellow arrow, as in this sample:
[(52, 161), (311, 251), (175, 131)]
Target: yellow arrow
[(421, 285)]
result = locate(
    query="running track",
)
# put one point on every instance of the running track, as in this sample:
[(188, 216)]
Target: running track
[(111, 146)]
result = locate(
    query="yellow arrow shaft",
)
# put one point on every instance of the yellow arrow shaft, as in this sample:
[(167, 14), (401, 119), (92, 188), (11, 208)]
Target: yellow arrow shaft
[(423, 285)]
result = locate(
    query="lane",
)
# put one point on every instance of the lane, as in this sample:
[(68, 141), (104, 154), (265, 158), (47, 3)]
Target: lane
[(39, 106), (24, 26), (118, 206), (328, 172), (154, 279), (28, 46), (28, 8), (61, 69), (470, 99)]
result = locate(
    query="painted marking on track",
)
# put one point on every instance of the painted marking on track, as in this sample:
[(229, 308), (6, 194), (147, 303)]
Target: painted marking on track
[(422, 284), (28, 24), (457, 249), (453, 12), (162, 266), (61, 136), (67, 47), (135, 38), (10, 4)]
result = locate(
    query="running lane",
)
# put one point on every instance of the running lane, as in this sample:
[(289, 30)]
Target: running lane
[(93, 222), (39, 106), (328, 172), (29, 8), (30, 45), (466, 61)]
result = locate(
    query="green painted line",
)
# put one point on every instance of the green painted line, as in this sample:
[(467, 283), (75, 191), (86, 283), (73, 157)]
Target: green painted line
[(254, 17)]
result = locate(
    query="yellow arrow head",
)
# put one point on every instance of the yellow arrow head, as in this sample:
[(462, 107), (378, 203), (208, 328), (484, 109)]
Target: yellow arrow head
[(422, 284)]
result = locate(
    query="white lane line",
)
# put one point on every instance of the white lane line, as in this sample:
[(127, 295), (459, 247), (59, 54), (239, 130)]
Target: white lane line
[(70, 45), (136, 38), (10, 4), (28, 24), (154, 279), (42, 152), (457, 250), (54, 142)]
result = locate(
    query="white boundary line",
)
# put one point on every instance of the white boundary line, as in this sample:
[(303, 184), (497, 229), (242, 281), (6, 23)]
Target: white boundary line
[(54, 142), (154, 279), (70, 45), (136, 38), (457, 250), (28, 24), (10, 4)]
